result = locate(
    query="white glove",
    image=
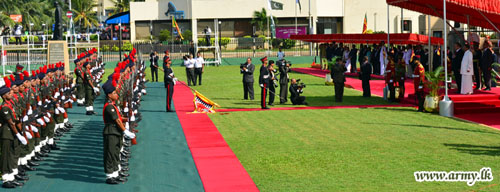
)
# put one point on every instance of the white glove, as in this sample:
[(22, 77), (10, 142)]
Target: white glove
[(39, 103), (61, 109), (129, 134), (56, 112), (261, 85), (96, 89), (29, 111), (48, 115), (40, 121), (21, 138), (47, 120), (25, 118), (56, 95), (125, 110), (127, 126), (28, 135), (132, 118), (34, 129), (74, 96), (63, 98)]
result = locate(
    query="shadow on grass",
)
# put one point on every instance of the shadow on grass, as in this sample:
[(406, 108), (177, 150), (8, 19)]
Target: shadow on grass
[(475, 149), (346, 101), (434, 127)]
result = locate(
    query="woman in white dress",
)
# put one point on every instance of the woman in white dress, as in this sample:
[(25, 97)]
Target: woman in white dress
[(346, 58)]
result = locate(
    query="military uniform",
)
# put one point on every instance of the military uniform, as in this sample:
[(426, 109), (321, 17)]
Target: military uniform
[(390, 75), (418, 83), (284, 79), (264, 83), (169, 85)]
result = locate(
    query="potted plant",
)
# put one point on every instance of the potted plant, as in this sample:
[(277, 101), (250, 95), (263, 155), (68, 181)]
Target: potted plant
[(434, 83)]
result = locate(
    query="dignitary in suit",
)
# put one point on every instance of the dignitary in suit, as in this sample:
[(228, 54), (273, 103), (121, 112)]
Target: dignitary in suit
[(353, 56), (467, 70), (476, 61), (486, 64), (284, 68), (338, 77), (247, 70), (153, 59), (264, 82), (365, 75), (456, 63)]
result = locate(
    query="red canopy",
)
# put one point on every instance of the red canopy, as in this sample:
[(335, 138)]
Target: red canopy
[(457, 10), (401, 38)]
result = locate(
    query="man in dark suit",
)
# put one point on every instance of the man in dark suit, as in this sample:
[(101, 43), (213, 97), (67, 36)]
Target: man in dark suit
[(263, 82), (353, 56), (272, 82), (365, 76), (456, 64), (329, 52), (476, 63), (338, 77), (153, 59), (486, 64), (284, 78), (376, 59), (247, 70)]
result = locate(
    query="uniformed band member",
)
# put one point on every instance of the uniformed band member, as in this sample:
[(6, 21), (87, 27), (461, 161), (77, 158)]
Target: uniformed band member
[(264, 78), (338, 77), (400, 76), (365, 76), (169, 80), (247, 70), (418, 82), (284, 68)]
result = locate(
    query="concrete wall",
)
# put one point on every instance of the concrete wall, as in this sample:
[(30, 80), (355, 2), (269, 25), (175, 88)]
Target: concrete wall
[(376, 12), (330, 8)]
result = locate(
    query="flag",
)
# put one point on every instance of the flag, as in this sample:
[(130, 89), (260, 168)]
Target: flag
[(365, 25), (275, 5), (174, 24), (203, 104), (300, 7)]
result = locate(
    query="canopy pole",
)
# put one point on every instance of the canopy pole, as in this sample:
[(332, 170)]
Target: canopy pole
[(431, 52), (447, 23), (468, 29), (445, 105), (491, 23), (388, 29)]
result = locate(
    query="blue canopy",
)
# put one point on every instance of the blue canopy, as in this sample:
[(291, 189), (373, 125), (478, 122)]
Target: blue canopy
[(123, 18)]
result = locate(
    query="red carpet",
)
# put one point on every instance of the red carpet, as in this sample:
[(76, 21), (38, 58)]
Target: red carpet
[(377, 86), (316, 107), (489, 119), (218, 166)]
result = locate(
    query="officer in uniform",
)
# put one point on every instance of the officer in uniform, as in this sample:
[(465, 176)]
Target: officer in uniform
[(284, 68), (113, 131), (80, 89), (263, 82), (169, 80), (418, 82), (338, 77)]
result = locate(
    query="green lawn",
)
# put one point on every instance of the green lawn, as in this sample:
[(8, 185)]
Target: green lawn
[(375, 149), (224, 86)]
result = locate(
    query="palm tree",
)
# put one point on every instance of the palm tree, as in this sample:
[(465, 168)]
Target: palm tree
[(84, 14), (121, 6), (260, 19)]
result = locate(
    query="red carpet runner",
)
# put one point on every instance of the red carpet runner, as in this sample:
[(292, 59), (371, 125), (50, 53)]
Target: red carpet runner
[(218, 166)]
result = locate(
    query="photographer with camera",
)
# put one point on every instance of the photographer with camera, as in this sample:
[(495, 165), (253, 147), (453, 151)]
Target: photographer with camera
[(284, 68), (295, 91), (247, 70)]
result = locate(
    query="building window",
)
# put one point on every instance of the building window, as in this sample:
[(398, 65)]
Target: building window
[(437, 34), (407, 25)]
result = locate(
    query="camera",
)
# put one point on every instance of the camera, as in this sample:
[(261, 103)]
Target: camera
[(243, 65), (301, 85)]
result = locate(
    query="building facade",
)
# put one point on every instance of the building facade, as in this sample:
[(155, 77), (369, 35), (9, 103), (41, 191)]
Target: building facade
[(314, 16)]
